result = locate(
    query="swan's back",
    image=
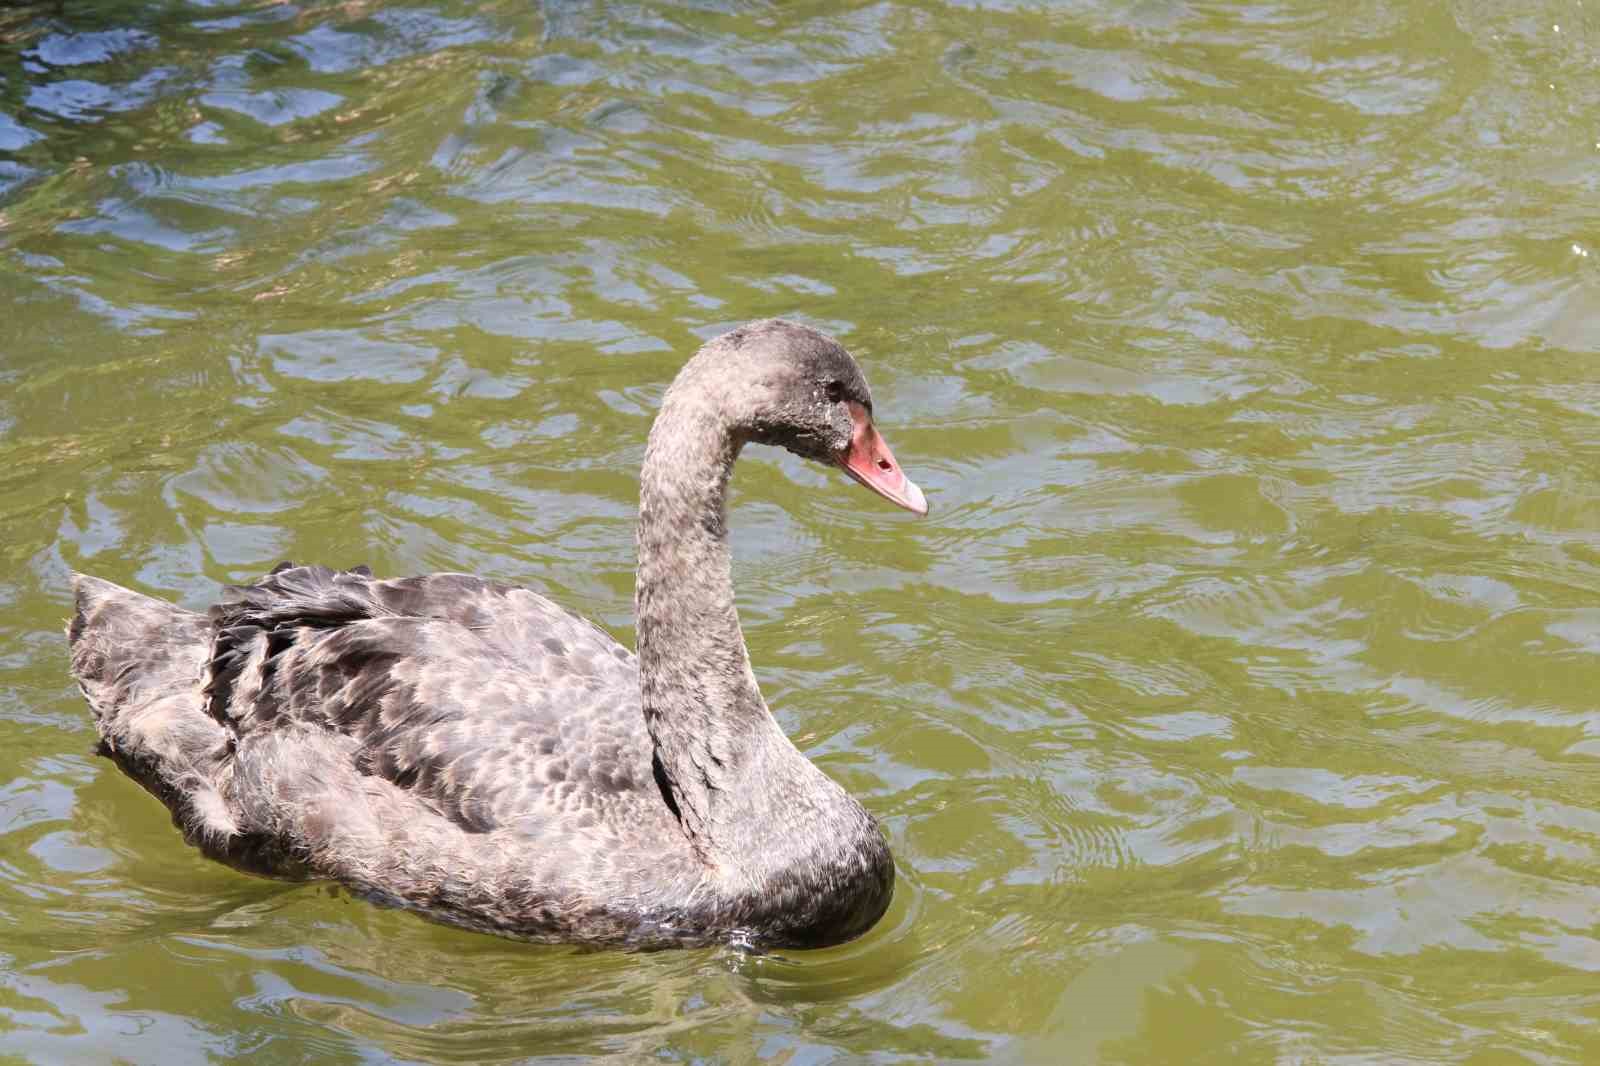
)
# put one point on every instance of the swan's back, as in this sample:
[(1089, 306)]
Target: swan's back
[(139, 663), (399, 733)]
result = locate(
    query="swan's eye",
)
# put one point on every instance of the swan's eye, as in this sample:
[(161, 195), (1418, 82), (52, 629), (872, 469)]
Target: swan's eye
[(835, 391)]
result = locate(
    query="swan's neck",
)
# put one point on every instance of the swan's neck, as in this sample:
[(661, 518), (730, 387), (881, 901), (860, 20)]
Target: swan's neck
[(701, 703), (779, 832)]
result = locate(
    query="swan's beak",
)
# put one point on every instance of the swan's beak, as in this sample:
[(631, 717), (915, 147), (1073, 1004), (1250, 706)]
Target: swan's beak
[(869, 460)]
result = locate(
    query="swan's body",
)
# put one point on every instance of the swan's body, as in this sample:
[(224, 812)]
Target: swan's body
[(474, 752)]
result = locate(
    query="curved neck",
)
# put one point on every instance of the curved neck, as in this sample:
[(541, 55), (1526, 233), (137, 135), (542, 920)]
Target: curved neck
[(772, 827), (702, 705)]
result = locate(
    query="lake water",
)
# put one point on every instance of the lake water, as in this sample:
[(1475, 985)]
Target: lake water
[(1238, 702)]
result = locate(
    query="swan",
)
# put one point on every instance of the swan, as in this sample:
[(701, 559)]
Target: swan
[(470, 751)]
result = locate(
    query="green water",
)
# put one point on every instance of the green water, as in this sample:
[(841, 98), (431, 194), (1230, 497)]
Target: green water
[(1237, 701)]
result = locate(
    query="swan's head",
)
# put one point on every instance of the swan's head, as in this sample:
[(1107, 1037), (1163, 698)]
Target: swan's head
[(789, 385)]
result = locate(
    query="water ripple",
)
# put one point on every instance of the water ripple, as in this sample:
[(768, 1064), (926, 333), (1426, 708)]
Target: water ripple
[(1234, 704)]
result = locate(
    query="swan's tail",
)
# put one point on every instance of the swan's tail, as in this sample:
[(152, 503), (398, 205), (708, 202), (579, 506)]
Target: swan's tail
[(142, 664)]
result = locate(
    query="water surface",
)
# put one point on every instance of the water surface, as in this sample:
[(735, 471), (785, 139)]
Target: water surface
[(1235, 704)]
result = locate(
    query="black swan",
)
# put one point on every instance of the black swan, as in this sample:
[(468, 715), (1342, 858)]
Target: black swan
[(473, 752)]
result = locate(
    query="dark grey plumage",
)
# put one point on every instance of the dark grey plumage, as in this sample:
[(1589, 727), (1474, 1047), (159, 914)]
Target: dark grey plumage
[(474, 752)]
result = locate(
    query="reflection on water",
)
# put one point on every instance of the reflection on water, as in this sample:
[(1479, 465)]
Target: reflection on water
[(1233, 705)]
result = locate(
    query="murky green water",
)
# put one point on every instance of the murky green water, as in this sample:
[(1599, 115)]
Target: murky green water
[(1237, 703)]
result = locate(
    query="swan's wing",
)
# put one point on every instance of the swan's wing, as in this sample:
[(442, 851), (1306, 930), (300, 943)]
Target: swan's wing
[(486, 702), (508, 617)]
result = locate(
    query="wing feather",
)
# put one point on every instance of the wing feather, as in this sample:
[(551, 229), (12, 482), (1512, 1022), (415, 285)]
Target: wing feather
[(487, 702)]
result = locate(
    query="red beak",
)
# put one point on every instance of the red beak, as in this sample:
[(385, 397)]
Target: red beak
[(869, 460)]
